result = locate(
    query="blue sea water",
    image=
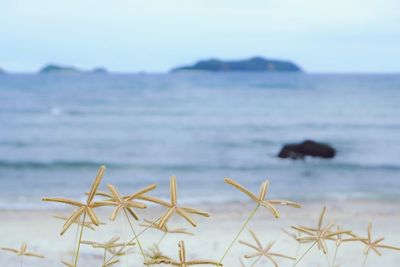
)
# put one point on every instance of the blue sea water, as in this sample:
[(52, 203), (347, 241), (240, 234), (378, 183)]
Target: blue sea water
[(55, 130)]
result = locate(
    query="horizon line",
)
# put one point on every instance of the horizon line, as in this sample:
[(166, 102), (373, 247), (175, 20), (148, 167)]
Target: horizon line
[(144, 72)]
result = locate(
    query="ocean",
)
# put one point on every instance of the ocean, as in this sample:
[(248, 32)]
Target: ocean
[(56, 130)]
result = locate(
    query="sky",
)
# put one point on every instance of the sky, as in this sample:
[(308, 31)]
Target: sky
[(341, 36)]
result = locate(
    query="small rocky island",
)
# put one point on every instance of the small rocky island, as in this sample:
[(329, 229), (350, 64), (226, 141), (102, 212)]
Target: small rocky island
[(255, 64), (57, 69)]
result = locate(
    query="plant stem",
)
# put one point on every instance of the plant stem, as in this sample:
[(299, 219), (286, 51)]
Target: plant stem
[(254, 263), (297, 252), (133, 239), (162, 238), (79, 241), (305, 253), (124, 230), (365, 260), (104, 257), (22, 260), (334, 257), (76, 241), (134, 234), (327, 259), (238, 234)]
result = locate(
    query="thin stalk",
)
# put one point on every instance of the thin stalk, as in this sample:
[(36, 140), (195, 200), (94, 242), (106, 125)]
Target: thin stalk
[(297, 252), (162, 238), (22, 260), (327, 259), (104, 257), (135, 235), (238, 234), (124, 229), (254, 263), (133, 239), (334, 257), (305, 253), (76, 241), (79, 241), (365, 260)]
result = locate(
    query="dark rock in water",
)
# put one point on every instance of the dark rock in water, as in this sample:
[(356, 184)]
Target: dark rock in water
[(307, 148), (256, 64)]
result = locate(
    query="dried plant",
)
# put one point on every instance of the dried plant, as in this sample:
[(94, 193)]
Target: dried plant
[(373, 244), (155, 254), (260, 201), (173, 207), (340, 240), (182, 259), (88, 225), (318, 237), (22, 252), (111, 263), (139, 195), (165, 230), (262, 251), (110, 246), (123, 203), (320, 234), (66, 263), (83, 208), (126, 205)]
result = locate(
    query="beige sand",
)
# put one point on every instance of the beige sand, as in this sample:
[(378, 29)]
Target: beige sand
[(41, 232)]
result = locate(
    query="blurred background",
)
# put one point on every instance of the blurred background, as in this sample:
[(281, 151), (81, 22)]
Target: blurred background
[(59, 123)]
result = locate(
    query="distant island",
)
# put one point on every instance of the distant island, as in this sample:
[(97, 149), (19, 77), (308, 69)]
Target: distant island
[(57, 69), (255, 64), (100, 71), (2, 71)]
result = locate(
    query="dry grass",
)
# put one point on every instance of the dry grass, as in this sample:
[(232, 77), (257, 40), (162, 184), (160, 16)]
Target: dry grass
[(262, 251), (85, 218)]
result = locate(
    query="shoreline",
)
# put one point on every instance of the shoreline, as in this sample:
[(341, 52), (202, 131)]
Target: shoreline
[(224, 204), (41, 231)]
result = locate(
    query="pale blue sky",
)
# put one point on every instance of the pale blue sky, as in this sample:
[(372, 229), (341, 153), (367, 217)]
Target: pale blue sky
[(155, 35)]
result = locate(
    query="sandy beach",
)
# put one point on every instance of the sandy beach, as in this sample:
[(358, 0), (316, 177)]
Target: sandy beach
[(212, 236)]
